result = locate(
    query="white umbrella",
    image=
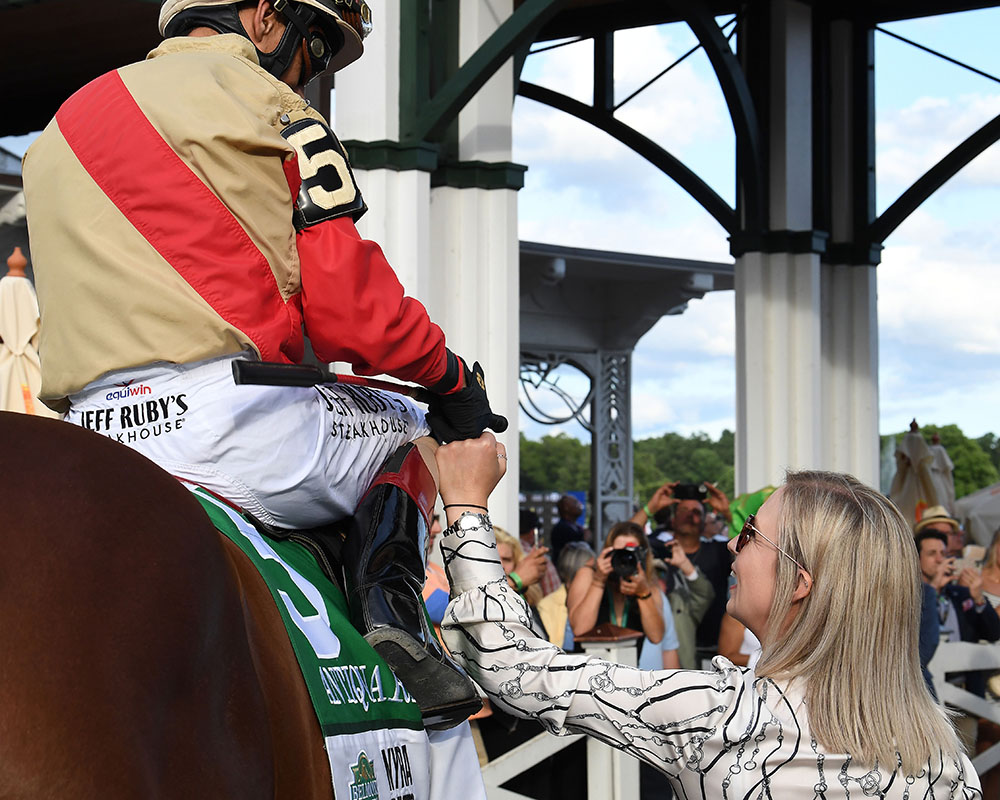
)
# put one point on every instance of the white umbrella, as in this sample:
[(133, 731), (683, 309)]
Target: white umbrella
[(20, 371), (980, 513), (913, 487)]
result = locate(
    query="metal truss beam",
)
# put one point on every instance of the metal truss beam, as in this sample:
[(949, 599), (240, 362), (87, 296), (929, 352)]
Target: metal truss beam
[(428, 122), (647, 148), (934, 179), (742, 112), (611, 451)]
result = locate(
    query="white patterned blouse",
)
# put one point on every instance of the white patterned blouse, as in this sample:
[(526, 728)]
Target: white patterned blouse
[(723, 733)]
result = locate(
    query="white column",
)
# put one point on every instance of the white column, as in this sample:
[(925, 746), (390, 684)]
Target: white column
[(475, 297), (850, 313), (778, 319), (367, 109), (850, 372), (474, 248), (778, 359)]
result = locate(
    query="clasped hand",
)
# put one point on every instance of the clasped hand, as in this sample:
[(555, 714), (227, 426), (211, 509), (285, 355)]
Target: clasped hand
[(469, 470), (531, 568)]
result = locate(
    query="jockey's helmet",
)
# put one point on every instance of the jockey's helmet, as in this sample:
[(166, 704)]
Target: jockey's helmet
[(344, 25)]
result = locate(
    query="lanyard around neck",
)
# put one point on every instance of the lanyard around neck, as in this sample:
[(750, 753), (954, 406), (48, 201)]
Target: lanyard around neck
[(612, 616)]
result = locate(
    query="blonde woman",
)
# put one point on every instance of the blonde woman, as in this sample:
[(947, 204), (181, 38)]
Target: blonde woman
[(523, 572), (827, 579)]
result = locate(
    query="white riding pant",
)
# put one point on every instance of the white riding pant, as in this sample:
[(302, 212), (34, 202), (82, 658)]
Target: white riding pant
[(293, 457)]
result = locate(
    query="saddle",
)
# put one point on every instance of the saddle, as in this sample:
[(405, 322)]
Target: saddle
[(325, 543)]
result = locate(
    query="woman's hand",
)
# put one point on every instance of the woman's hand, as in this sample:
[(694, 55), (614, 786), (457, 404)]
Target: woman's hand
[(469, 470), (533, 566), (635, 585), (602, 569)]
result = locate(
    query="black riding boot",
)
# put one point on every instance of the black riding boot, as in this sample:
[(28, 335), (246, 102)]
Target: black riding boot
[(383, 560)]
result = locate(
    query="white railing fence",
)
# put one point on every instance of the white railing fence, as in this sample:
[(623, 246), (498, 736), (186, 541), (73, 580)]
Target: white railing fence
[(968, 657)]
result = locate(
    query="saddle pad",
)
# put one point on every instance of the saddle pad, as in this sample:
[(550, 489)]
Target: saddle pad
[(371, 726)]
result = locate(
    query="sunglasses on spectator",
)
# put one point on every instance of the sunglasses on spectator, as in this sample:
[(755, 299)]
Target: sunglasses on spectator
[(750, 530)]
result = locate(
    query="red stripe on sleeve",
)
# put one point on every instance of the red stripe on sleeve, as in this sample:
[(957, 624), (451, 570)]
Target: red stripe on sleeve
[(355, 309), (177, 213)]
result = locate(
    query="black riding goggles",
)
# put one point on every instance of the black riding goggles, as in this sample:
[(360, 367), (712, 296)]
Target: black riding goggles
[(324, 43), (355, 13)]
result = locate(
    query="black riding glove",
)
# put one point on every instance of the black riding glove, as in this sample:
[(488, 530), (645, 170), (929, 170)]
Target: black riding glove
[(464, 413)]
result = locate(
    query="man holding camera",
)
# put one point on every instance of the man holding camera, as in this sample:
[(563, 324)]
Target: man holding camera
[(712, 558), (964, 612)]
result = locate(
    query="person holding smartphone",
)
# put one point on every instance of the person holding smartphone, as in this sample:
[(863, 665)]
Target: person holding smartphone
[(965, 614), (688, 502)]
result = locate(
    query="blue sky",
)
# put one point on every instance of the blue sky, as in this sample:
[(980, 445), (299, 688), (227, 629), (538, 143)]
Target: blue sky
[(939, 333), (939, 292)]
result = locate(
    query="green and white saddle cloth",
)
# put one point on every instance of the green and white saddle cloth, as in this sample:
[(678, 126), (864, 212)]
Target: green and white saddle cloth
[(372, 728)]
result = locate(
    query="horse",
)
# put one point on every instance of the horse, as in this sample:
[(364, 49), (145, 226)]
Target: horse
[(141, 654)]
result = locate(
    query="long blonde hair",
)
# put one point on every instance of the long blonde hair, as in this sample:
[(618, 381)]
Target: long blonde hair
[(854, 640)]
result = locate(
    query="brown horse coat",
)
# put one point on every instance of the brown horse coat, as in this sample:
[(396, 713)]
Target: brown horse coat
[(141, 655)]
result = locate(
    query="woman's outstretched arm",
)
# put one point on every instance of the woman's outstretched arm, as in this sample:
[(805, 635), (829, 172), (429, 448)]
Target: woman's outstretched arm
[(659, 717)]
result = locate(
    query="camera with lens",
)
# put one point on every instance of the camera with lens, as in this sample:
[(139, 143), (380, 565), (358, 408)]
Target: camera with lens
[(627, 561), (690, 491)]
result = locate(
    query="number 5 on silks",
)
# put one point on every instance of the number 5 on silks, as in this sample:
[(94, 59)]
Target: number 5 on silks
[(328, 187)]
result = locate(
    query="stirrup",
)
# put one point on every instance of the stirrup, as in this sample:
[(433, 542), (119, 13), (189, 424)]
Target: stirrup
[(445, 693)]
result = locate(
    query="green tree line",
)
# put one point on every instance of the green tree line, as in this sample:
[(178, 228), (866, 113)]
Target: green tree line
[(561, 463)]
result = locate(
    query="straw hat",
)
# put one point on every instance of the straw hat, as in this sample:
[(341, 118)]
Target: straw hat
[(935, 514)]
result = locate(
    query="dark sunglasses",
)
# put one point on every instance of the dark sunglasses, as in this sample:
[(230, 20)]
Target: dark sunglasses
[(750, 530)]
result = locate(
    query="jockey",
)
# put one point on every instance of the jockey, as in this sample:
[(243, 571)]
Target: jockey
[(192, 209)]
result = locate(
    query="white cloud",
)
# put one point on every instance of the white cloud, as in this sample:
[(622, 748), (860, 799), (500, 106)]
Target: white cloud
[(933, 396), (683, 107), (684, 112), (938, 292), (685, 396), (707, 329), (911, 140), (568, 218)]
